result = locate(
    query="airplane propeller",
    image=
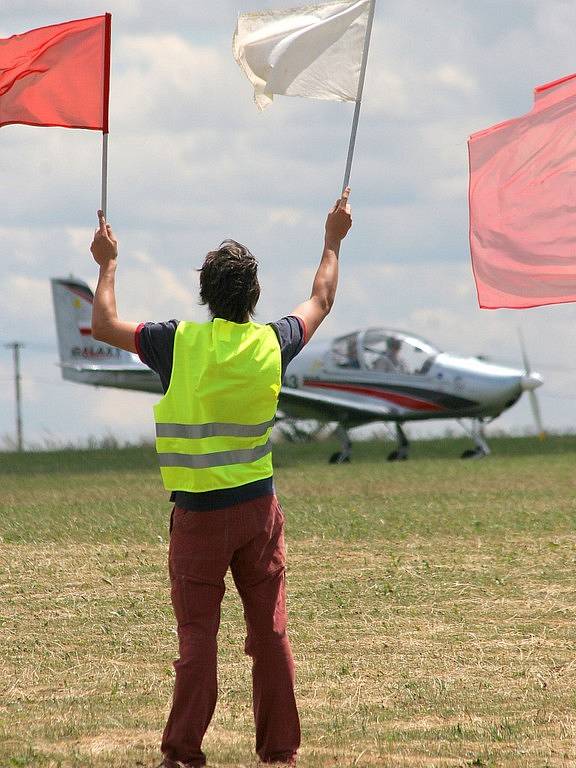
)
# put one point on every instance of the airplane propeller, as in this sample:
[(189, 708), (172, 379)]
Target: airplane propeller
[(530, 382)]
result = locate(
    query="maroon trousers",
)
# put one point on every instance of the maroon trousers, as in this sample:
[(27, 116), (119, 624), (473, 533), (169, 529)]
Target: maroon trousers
[(248, 538)]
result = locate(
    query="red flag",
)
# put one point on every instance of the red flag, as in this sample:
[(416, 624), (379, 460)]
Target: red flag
[(57, 75), (523, 204)]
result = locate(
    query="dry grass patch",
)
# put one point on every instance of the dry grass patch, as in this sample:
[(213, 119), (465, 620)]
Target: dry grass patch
[(431, 605), (407, 652)]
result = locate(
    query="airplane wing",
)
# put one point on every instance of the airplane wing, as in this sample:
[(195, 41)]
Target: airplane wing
[(297, 403), (140, 379)]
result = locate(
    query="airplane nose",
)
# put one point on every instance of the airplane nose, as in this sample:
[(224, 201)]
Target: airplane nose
[(531, 381)]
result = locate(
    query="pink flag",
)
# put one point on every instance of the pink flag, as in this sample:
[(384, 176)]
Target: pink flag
[(523, 203)]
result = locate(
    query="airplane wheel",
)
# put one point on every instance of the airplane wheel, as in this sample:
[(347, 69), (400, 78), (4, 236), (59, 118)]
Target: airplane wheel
[(339, 458), (473, 453), (397, 456)]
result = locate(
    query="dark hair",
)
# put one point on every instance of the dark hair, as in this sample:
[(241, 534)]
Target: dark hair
[(229, 282)]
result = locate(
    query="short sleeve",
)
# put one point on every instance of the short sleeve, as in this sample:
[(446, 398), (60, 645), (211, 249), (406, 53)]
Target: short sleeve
[(291, 333), (155, 347)]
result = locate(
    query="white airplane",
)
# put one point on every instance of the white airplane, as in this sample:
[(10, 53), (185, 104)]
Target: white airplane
[(366, 376)]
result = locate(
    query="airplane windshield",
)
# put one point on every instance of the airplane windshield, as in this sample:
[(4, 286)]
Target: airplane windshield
[(394, 352)]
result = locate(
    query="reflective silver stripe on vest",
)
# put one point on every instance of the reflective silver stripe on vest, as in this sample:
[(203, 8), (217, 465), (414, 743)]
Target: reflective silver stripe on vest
[(218, 459), (215, 429)]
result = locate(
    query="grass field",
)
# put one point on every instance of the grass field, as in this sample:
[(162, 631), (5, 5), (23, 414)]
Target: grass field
[(431, 606)]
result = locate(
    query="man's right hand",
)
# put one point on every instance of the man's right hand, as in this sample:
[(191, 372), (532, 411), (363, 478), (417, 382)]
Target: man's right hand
[(339, 219), (104, 247)]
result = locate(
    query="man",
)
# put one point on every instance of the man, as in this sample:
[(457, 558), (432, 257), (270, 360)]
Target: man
[(390, 361), (221, 381)]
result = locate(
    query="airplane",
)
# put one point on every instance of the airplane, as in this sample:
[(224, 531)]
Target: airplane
[(366, 376)]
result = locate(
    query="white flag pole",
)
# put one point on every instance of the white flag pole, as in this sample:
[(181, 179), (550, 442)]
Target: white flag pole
[(359, 95), (103, 200)]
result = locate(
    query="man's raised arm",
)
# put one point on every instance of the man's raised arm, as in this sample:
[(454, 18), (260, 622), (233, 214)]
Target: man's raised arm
[(105, 323), (325, 283)]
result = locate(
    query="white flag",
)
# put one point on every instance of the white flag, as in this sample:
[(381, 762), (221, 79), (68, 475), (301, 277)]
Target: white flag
[(313, 51)]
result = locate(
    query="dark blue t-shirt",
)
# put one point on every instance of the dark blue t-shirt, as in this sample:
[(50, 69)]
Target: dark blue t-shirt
[(155, 346)]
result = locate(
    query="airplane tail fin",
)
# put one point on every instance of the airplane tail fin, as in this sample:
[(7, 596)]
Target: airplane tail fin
[(73, 301)]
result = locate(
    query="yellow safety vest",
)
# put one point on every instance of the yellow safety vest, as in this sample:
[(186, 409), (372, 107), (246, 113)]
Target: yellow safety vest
[(213, 424)]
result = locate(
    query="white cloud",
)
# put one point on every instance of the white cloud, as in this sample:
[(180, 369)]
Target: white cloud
[(165, 81), (288, 216), (79, 239), (454, 78), (387, 94), (174, 293), (25, 295)]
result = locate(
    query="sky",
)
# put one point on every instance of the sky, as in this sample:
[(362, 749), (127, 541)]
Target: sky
[(192, 162)]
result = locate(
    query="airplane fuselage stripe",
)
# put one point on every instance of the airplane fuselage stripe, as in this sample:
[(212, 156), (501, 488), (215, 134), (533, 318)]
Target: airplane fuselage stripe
[(79, 291), (405, 401)]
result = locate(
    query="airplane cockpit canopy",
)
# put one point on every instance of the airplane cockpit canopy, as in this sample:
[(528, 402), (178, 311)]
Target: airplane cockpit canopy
[(377, 349)]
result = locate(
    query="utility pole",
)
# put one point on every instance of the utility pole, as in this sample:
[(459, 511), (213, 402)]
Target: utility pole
[(16, 346)]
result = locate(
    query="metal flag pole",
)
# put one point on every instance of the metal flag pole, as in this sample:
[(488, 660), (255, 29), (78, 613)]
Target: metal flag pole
[(359, 95), (104, 198), (106, 108)]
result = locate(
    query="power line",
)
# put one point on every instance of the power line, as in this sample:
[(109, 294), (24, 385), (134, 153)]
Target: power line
[(35, 345)]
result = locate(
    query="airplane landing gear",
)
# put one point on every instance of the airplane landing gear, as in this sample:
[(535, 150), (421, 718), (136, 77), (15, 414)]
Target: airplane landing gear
[(472, 453), (343, 456), (401, 452), (476, 432)]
